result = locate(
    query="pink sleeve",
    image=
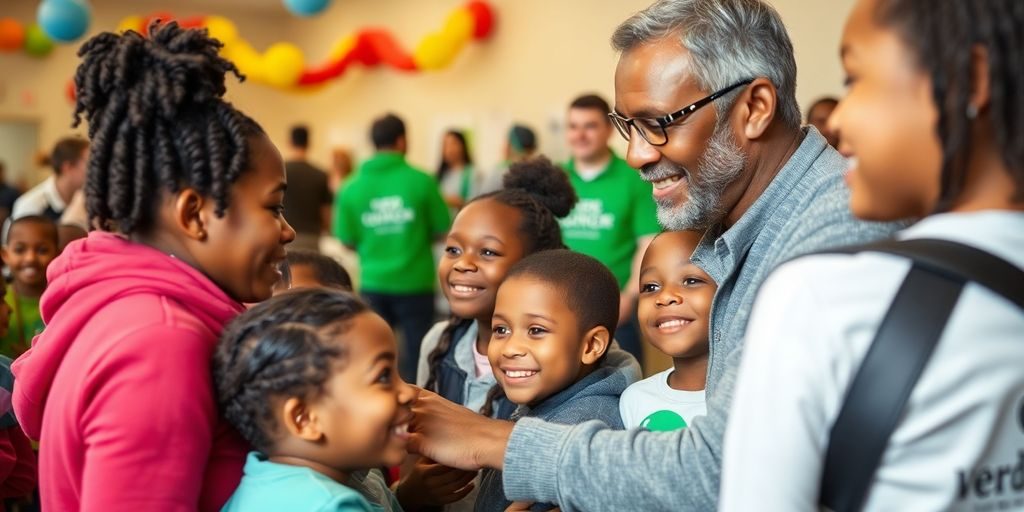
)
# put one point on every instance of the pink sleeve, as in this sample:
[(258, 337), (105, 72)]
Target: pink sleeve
[(20, 480), (149, 423)]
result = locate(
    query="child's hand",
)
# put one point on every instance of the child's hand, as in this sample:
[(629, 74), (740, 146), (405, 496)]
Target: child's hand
[(430, 484)]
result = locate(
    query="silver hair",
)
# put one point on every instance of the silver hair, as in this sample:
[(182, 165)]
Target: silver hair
[(728, 40)]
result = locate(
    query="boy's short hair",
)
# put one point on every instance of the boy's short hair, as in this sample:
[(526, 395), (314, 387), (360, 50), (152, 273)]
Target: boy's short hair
[(592, 102), (300, 136), (386, 131), (328, 272), (588, 287), (522, 138), (67, 150), (46, 222)]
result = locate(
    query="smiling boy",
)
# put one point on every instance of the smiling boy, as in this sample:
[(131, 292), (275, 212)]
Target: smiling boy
[(552, 347)]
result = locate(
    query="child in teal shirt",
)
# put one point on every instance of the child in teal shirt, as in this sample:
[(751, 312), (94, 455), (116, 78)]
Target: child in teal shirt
[(30, 245), (309, 378)]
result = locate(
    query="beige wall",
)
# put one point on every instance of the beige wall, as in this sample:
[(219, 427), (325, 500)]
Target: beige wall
[(543, 53)]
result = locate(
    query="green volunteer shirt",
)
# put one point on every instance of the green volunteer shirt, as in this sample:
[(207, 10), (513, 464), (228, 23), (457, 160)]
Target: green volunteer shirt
[(391, 212), (615, 209)]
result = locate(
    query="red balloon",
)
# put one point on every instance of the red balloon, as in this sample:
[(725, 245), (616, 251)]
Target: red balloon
[(484, 18), (70, 91), (12, 35)]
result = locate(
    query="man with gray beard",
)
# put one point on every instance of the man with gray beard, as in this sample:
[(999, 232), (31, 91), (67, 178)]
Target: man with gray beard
[(762, 188)]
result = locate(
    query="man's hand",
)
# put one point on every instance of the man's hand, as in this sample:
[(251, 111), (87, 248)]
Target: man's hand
[(455, 436), (430, 484)]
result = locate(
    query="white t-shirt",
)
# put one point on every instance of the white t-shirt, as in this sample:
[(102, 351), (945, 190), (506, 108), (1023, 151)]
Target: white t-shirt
[(960, 444), (38, 199), (653, 405)]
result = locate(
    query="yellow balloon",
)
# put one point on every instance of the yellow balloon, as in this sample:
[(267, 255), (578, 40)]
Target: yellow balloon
[(459, 25), (436, 51), (221, 29), (282, 64), (130, 23), (246, 59)]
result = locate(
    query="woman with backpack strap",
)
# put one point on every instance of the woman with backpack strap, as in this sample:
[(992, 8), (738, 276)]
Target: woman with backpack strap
[(933, 122)]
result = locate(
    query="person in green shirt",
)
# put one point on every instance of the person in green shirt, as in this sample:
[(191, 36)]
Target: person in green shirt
[(616, 217), (390, 212), (30, 246)]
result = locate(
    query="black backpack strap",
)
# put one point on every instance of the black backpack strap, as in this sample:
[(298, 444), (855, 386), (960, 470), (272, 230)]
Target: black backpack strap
[(905, 340)]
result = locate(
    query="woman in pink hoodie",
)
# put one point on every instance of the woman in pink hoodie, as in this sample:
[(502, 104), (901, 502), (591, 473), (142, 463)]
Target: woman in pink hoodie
[(186, 193)]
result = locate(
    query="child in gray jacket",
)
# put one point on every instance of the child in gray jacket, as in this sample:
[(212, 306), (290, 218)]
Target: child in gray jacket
[(554, 322)]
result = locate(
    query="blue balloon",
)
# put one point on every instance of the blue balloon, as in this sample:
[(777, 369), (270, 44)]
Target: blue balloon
[(64, 20), (306, 7)]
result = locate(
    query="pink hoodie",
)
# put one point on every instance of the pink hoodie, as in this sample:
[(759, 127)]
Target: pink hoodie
[(118, 387)]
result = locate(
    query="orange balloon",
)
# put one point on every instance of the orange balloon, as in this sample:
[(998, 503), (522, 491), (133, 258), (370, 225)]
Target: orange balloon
[(12, 35)]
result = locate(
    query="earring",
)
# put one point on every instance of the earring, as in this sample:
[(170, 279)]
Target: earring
[(972, 112), (201, 235)]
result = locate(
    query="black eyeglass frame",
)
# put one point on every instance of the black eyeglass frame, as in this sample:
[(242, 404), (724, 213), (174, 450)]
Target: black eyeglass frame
[(625, 125)]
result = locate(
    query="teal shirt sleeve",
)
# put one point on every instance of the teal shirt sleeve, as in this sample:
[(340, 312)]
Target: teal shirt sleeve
[(347, 503), (645, 214)]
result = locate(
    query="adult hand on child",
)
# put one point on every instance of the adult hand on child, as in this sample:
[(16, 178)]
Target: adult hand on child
[(456, 436), (430, 484)]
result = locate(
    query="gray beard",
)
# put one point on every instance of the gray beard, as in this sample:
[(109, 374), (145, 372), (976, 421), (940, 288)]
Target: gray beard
[(718, 167)]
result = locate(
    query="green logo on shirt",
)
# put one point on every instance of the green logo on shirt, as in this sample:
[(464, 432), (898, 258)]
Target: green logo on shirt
[(588, 215), (663, 421), (387, 212)]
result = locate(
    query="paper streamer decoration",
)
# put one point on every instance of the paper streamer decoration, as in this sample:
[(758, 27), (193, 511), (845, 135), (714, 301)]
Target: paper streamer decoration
[(284, 66)]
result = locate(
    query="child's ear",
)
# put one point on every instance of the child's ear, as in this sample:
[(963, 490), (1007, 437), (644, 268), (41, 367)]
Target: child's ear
[(5, 255), (300, 421), (188, 213), (595, 344)]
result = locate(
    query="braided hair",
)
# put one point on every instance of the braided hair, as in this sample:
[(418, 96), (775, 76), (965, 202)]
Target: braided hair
[(157, 122), (282, 347), (542, 194), (941, 34)]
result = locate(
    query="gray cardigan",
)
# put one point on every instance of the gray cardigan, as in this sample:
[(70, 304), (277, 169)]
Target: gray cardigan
[(590, 467)]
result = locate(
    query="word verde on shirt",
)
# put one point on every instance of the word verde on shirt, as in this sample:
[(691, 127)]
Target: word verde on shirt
[(387, 214), (587, 219)]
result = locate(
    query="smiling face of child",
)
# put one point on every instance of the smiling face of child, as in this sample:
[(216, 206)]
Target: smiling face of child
[(483, 244), (536, 348), (30, 248), (675, 296), (365, 409)]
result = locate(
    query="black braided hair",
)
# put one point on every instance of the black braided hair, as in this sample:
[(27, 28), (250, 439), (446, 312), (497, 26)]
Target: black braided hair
[(542, 194), (157, 121), (941, 34), (283, 347)]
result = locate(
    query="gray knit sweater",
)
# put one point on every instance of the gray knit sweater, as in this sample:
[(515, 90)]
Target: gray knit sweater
[(591, 467)]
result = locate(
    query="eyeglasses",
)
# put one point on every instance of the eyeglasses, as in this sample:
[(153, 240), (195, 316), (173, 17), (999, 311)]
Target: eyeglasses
[(653, 129)]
